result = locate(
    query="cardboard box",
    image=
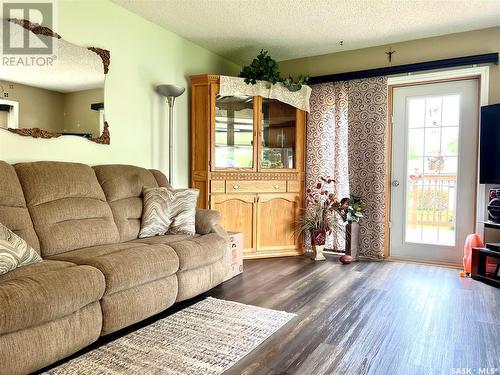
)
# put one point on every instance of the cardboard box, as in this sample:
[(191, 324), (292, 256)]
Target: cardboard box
[(236, 254)]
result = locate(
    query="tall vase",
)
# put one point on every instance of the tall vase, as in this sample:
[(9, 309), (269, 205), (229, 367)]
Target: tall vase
[(318, 252), (352, 240), (318, 237)]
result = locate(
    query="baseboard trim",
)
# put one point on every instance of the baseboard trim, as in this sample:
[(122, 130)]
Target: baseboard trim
[(272, 254)]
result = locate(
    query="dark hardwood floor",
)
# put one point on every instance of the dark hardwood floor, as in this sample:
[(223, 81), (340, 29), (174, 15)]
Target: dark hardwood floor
[(364, 318), (369, 318)]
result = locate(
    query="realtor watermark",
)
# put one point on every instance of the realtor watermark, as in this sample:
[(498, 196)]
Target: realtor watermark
[(27, 38), (474, 371)]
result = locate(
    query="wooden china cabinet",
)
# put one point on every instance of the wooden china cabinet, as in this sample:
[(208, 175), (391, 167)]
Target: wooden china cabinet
[(247, 160)]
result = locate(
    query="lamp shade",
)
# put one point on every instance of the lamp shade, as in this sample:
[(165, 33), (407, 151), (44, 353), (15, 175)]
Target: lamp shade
[(170, 90)]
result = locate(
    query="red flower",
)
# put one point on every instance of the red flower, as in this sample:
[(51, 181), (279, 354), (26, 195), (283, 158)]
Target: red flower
[(318, 186)]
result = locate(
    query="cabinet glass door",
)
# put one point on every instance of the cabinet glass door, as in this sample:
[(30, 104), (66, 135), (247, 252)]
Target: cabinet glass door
[(278, 135), (234, 132)]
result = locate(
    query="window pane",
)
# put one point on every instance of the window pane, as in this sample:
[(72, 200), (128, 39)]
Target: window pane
[(449, 141), (416, 113), (433, 111), (234, 132), (451, 110), (450, 165), (415, 143), (278, 135), (432, 141), (415, 167)]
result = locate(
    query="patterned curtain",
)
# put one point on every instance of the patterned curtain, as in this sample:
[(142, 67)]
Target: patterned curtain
[(326, 148), (367, 158), (346, 133)]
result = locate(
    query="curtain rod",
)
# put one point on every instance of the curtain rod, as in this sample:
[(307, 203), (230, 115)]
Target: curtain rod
[(486, 58)]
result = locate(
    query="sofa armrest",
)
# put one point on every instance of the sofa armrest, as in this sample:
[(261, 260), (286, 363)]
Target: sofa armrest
[(206, 221)]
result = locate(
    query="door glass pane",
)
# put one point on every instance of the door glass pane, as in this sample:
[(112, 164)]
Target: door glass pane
[(449, 141), (432, 141), (451, 104), (415, 143), (433, 111), (416, 113), (234, 132), (278, 135), (432, 174)]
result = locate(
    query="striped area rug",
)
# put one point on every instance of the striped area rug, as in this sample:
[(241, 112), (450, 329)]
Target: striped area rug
[(206, 338)]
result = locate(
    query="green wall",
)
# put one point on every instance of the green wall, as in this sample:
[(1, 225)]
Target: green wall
[(143, 55)]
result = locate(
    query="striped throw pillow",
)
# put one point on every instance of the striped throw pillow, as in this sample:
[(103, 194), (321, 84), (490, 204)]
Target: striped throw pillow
[(183, 211), (14, 251), (168, 211)]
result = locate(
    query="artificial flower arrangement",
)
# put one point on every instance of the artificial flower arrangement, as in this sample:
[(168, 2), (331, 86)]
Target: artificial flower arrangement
[(323, 211)]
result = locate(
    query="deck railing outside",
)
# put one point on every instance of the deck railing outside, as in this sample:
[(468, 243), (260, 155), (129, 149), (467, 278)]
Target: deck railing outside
[(431, 200)]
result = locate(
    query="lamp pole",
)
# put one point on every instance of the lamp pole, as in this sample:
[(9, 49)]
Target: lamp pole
[(171, 92)]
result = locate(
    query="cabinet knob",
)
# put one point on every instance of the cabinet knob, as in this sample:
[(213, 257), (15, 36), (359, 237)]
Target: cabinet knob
[(276, 187), (236, 186)]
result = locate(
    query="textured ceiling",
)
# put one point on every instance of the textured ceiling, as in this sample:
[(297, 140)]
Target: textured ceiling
[(238, 29)]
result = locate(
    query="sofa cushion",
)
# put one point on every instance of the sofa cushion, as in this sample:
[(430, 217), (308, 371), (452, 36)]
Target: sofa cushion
[(67, 206), (199, 280), (161, 179), (199, 251), (28, 350), (130, 306), (14, 251), (45, 291), (126, 265), (166, 239), (122, 185), (35, 268), (13, 211)]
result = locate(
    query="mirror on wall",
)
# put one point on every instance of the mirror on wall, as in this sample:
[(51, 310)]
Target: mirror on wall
[(57, 95)]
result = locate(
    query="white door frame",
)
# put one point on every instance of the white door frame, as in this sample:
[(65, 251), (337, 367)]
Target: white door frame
[(481, 72), (13, 120)]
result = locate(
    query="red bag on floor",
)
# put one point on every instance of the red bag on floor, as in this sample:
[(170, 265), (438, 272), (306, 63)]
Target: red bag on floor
[(473, 240)]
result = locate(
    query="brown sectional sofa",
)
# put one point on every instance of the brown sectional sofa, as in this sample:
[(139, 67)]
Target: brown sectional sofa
[(97, 276)]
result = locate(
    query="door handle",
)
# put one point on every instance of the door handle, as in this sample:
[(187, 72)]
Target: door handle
[(395, 183), (236, 186)]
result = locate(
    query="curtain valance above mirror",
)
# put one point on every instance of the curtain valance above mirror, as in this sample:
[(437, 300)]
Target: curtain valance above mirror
[(235, 86)]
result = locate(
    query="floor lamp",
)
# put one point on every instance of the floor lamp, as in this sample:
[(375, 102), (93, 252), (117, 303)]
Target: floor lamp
[(171, 92)]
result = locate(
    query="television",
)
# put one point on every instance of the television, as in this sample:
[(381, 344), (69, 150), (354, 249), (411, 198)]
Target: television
[(489, 155)]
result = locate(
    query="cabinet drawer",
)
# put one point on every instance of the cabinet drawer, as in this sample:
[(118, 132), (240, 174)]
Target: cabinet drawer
[(217, 186), (255, 186)]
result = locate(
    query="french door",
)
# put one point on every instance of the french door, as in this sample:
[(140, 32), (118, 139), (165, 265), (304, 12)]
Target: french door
[(434, 169)]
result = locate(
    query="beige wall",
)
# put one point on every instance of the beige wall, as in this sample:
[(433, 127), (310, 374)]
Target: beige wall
[(38, 108), (78, 117), (442, 47), (4, 119), (55, 111), (143, 55)]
